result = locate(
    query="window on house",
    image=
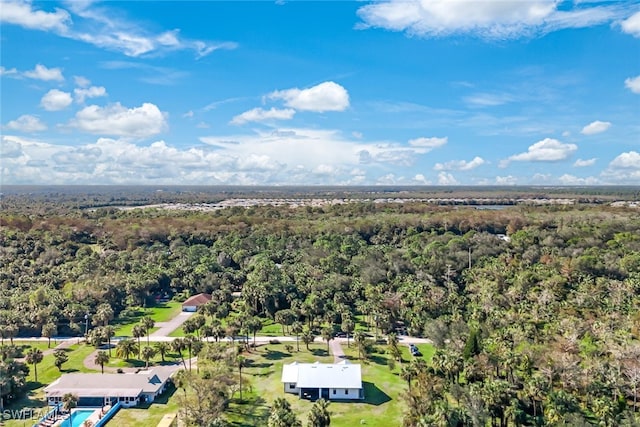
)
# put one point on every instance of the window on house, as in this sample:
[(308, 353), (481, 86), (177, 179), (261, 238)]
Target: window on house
[(346, 391), (292, 386), (334, 391)]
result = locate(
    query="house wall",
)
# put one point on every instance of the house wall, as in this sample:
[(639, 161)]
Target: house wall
[(289, 389), (344, 393)]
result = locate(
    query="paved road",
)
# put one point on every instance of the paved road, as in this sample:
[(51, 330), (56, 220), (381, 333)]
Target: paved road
[(167, 327)]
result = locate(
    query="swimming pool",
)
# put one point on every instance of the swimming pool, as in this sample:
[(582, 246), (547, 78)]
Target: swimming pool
[(79, 416)]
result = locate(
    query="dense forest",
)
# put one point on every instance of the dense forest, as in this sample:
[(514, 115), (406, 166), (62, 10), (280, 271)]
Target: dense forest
[(535, 311)]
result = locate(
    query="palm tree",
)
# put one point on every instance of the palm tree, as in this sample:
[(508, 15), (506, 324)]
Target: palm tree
[(319, 414), (297, 328), (162, 348), (147, 323), (361, 343), (35, 356), (101, 358), (138, 331), (241, 362), (307, 338), (60, 357), (327, 335), (147, 354), (109, 332), (69, 401), (408, 373), (178, 345), (347, 327), (48, 330), (126, 348)]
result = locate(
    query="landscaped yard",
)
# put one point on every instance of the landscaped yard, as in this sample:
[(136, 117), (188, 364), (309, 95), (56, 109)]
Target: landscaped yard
[(47, 373), (382, 407), (147, 416), (160, 313)]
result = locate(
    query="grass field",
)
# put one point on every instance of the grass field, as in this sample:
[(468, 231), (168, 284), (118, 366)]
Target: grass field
[(47, 373), (147, 416), (160, 313), (382, 407)]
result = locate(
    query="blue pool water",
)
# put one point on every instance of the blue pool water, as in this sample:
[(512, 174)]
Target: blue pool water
[(78, 418)]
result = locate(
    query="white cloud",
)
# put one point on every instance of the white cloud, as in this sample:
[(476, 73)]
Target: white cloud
[(486, 19), (460, 165), (506, 180), (488, 99), (568, 179), (259, 115), (421, 179), (55, 100), (633, 84), (547, 150), (327, 96), (92, 92), (81, 81), (40, 72), (445, 178), (114, 119), (97, 25), (424, 145), (584, 163), (26, 123), (631, 25), (21, 13), (8, 71), (595, 127), (628, 160)]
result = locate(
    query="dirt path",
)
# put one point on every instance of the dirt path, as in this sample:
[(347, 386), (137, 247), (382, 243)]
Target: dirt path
[(336, 351)]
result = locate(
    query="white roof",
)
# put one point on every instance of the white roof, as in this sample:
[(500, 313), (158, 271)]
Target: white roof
[(113, 385), (323, 375)]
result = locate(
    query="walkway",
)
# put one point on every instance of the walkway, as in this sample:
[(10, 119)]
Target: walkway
[(165, 328), (336, 350)]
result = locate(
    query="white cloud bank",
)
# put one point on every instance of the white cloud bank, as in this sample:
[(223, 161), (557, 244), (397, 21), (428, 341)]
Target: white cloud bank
[(460, 165), (83, 93), (56, 100), (26, 123), (116, 120), (40, 72), (595, 127), (547, 150), (259, 115), (633, 84), (584, 163), (631, 25), (95, 25), (486, 19), (327, 96)]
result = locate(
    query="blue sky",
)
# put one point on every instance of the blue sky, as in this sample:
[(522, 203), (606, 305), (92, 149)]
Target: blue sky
[(439, 92)]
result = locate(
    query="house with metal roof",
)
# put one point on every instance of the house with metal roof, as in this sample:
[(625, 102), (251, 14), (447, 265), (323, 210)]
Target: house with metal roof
[(107, 389), (330, 381)]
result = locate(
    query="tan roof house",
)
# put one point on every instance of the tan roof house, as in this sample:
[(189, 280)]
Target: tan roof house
[(192, 303)]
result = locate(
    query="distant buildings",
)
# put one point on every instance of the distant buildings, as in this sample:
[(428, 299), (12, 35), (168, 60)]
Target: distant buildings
[(330, 381)]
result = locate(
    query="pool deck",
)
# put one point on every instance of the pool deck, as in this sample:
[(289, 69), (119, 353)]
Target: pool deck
[(97, 414)]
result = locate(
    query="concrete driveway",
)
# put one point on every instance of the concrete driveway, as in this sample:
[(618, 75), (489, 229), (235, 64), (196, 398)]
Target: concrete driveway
[(167, 327)]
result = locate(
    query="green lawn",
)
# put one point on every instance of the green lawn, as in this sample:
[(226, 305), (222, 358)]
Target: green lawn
[(382, 406), (47, 373), (147, 416), (159, 313)]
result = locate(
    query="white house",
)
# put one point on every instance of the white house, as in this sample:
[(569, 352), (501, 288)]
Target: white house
[(331, 381), (100, 389), (192, 303)]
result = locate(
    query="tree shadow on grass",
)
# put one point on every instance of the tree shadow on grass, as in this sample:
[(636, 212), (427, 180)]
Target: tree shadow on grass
[(253, 412), (373, 395), (319, 353), (275, 355)]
